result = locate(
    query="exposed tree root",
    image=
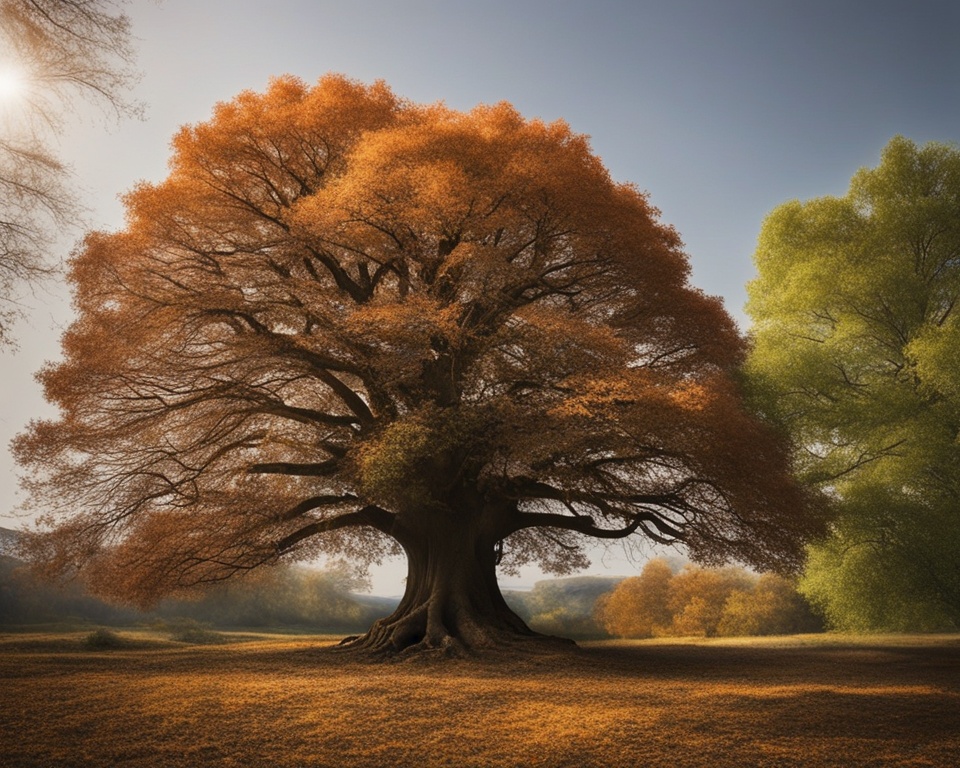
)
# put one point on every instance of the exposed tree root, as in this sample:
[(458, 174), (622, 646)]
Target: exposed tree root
[(452, 606), (424, 633)]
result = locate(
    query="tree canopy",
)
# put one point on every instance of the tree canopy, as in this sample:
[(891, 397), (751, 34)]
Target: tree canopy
[(856, 338), (351, 324)]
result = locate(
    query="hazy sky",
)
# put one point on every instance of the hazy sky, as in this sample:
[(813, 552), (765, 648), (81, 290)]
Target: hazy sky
[(720, 109)]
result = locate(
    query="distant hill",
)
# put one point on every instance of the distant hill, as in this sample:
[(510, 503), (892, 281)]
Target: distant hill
[(563, 606), (9, 541)]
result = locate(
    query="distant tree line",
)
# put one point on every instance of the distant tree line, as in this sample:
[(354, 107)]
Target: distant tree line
[(703, 602), (280, 597), (658, 603), (563, 607)]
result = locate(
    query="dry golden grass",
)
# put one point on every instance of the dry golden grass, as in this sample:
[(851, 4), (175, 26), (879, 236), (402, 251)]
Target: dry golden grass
[(286, 701)]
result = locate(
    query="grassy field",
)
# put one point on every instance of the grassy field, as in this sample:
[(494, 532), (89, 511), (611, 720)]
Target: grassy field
[(287, 701)]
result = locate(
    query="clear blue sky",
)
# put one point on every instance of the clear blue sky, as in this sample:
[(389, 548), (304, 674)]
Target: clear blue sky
[(720, 109)]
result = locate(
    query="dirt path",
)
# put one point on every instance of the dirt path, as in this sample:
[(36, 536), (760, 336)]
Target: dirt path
[(284, 702)]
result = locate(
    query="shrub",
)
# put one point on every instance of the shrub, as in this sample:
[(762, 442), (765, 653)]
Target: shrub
[(103, 639), (189, 631)]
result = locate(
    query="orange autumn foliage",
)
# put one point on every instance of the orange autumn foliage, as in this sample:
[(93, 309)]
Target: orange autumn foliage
[(703, 602), (347, 323)]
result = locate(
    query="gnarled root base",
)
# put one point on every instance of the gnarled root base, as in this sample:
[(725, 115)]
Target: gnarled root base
[(426, 632), (452, 605)]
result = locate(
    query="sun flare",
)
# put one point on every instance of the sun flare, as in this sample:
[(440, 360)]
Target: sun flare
[(11, 84)]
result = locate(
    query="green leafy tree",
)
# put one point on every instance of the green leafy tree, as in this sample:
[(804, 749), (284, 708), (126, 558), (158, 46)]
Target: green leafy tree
[(856, 332)]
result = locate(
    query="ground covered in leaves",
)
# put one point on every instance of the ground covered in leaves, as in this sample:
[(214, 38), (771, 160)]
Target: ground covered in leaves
[(289, 701)]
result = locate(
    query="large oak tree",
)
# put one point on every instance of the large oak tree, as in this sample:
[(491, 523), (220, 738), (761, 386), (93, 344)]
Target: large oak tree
[(347, 323)]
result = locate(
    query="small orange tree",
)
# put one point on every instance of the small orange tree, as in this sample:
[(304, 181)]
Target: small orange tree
[(347, 324), (697, 598), (638, 606)]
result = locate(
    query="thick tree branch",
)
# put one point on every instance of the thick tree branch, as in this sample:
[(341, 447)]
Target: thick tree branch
[(317, 502), (321, 469), (372, 516), (584, 525)]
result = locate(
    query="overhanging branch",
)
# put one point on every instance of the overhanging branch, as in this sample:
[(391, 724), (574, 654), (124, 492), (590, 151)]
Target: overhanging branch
[(321, 469), (584, 525), (372, 516), (316, 502)]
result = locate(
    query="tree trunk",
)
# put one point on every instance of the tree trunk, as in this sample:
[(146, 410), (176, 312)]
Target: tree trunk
[(452, 602)]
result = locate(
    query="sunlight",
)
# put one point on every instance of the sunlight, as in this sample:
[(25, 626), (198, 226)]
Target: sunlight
[(11, 84)]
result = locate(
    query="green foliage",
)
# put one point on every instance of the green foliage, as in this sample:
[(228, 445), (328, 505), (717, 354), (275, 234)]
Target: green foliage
[(416, 460), (388, 467), (881, 568), (702, 602), (856, 327)]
